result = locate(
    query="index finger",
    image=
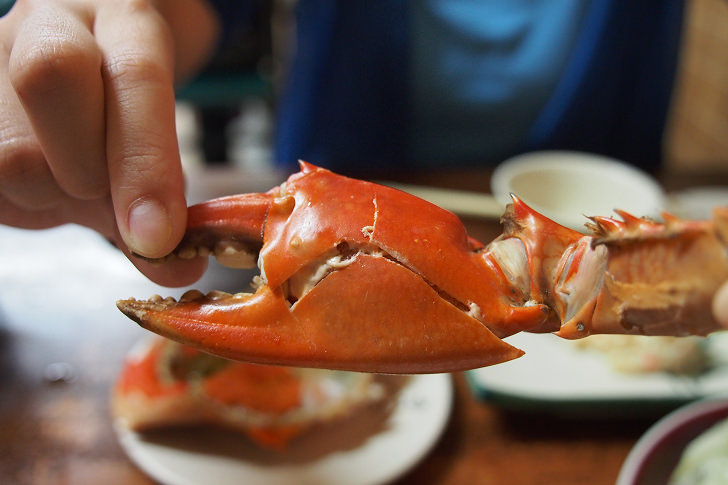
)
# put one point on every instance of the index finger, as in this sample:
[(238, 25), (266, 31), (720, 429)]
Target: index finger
[(145, 173)]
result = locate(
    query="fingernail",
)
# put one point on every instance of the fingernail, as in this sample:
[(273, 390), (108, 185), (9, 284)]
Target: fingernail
[(149, 227)]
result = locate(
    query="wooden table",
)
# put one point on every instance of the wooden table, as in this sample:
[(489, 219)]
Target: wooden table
[(62, 342)]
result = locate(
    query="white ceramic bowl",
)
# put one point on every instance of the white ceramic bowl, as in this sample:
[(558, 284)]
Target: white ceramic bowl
[(568, 186), (656, 454)]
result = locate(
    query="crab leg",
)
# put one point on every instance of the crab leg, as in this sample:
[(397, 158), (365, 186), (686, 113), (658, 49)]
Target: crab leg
[(658, 278)]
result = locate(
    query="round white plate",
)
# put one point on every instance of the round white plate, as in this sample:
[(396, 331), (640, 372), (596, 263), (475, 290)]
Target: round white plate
[(416, 423)]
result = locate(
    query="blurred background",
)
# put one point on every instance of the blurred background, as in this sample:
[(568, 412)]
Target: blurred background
[(219, 121), (697, 137)]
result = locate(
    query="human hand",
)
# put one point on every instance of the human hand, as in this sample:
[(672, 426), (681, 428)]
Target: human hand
[(87, 130)]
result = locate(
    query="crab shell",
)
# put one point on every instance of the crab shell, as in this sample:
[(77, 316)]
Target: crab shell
[(359, 276), (165, 385)]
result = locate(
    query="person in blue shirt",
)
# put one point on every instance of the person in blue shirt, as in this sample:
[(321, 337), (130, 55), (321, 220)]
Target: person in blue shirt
[(442, 82), (87, 129)]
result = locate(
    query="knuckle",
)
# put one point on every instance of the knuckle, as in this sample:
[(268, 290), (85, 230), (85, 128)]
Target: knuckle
[(19, 159), (143, 160), (49, 63), (147, 52), (23, 164), (136, 6), (24, 176), (132, 68)]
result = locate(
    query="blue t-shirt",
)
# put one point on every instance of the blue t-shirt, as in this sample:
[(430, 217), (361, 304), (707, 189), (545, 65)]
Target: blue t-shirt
[(481, 72), (377, 84)]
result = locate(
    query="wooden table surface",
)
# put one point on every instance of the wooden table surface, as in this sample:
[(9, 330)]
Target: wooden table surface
[(62, 342)]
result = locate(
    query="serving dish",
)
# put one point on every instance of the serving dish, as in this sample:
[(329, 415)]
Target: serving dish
[(556, 376), (417, 421)]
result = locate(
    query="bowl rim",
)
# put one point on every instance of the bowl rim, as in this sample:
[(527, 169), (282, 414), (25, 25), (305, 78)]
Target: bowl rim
[(700, 415)]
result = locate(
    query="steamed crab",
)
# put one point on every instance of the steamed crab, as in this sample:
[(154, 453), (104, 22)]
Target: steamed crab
[(359, 276)]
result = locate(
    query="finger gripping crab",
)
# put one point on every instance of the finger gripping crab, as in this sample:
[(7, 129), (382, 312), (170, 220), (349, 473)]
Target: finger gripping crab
[(363, 277)]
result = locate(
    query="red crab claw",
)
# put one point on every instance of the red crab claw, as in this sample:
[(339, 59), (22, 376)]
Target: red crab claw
[(354, 276), (358, 276)]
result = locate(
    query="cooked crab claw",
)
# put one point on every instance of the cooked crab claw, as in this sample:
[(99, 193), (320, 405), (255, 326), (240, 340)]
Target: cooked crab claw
[(362, 277), (350, 279)]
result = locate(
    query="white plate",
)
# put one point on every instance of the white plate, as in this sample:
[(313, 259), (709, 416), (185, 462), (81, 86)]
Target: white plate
[(418, 420), (555, 376)]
